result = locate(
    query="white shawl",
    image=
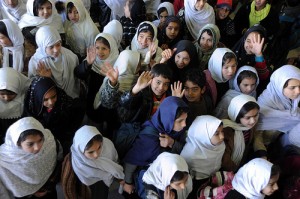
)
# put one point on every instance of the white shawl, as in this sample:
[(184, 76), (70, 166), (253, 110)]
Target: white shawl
[(203, 158), (170, 10), (117, 8), (195, 19), (294, 135), (62, 67), (162, 170), (252, 178), (151, 6), (80, 35), (115, 29), (277, 112), (17, 50), (234, 109), (215, 64), (24, 173), (13, 14), (12, 80), (28, 19), (104, 168)]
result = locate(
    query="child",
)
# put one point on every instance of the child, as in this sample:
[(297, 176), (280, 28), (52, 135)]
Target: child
[(12, 42), (222, 67), (79, 27), (29, 160), (245, 82), (163, 132), (164, 10), (12, 9), (57, 111), (13, 87), (243, 112), (53, 60), (92, 162), (256, 179), (134, 14), (40, 13), (166, 175)]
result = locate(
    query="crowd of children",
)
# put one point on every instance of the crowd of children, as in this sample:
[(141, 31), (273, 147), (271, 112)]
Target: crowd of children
[(172, 99)]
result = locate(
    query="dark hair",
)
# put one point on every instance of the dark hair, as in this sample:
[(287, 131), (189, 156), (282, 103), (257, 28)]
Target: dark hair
[(208, 31), (8, 92), (180, 111), (286, 83), (137, 10), (228, 56), (104, 41), (70, 5), (246, 74), (162, 70), (245, 109), (96, 138), (162, 9), (25, 134), (292, 3), (37, 4), (275, 170), (291, 188), (3, 29), (196, 76), (60, 7), (178, 175), (146, 27)]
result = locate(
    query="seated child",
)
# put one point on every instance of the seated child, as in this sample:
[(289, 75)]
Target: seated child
[(12, 9), (164, 10)]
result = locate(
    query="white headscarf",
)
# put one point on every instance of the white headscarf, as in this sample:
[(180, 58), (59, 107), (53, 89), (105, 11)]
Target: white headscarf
[(12, 80), (104, 168), (21, 172), (80, 35), (201, 155), (252, 178), (151, 6), (277, 112), (162, 170), (170, 9), (215, 64), (113, 55), (234, 109), (17, 50), (62, 67), (15, 13), (116, 7), (115, 29), (294, 135), (195, 19), (28, 19)]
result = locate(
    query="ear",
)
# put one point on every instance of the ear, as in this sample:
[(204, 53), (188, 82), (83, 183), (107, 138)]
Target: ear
[(203, 89)]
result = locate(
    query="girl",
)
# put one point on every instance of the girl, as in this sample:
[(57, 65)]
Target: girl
[(163, 11), (79, 27), (13, 87), (207, 42), (12, 9), (29, 160), (204, 149), (256, 179), (52, 107), (40, 13), (12, 42), (243, 114), (53, 60), (181, 58), (166, 175), (245, 82), (115, 29), (145, 42), (222, 67), (92, 162)]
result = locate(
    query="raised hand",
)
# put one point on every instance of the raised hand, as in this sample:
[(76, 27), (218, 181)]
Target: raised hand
[(109, 71), (144, 80), (91, 54), (42, 70), (168, 194), (152, 48), (167, 54), (257, 44), (165, 140), (177, 90)]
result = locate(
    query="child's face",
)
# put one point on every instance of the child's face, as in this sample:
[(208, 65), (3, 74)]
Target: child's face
[(94, 151), (54, 50), (192, 91), (229, 69), (45, 11), (250, 118), (127, 10), (218, 137), (102, 50), (160, 85), (5, 41), (172, 30), (247, 85), (181, 184), (260, 4), (182, 59), (292, 91), (50, 98), (248, 45), (11, 3), (32, 144), (222, 13), (199, 5), (271, 186), (180, 122), (6, 97), (73, 15), (163, 16), (206, 42), (145, 39)]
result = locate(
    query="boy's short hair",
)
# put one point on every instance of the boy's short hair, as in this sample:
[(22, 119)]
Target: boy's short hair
[(196, 76), (162, 70)]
